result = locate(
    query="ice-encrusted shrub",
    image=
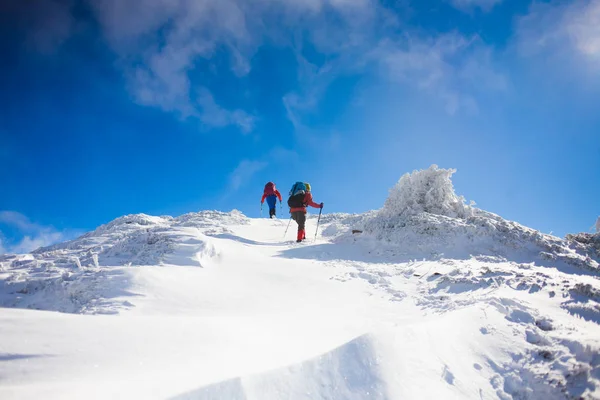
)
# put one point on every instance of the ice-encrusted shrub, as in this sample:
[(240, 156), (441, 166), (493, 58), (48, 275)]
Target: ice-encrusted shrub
[(429, 191), (424, 215), (586, 242), (422, 204)]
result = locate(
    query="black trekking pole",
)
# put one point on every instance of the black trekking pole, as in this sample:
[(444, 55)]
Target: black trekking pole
[(318, 220), (288, 227)]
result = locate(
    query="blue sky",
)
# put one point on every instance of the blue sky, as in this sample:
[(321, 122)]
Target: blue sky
[(165, 107)]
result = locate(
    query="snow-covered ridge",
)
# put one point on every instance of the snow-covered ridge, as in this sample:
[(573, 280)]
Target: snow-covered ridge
[(78, 275), (424, 218), (428, 297)]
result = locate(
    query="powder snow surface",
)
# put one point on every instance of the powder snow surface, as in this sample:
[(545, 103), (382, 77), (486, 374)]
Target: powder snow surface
[(443, 303)]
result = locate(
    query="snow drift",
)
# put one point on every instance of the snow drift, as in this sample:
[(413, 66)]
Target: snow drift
[(350, 372)]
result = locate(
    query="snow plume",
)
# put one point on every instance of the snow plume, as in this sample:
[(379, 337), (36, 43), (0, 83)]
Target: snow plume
[(430, 191)]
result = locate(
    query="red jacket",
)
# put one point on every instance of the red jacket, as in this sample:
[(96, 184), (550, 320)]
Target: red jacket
[(275, 192), (308, 201)]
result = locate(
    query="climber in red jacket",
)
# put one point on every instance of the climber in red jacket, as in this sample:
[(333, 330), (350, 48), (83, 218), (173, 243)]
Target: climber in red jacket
[(271, 194), (298, 203)]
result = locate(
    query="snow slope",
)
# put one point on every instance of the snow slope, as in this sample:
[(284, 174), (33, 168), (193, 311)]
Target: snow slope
[(431, 303)]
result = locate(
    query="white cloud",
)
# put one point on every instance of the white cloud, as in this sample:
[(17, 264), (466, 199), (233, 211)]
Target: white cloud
[(584, 28), (33, 235), (42, 239), (451, 67), (215, 116), (561, 30), (422, 62), (160, 42), (245, 170), (18, 220)]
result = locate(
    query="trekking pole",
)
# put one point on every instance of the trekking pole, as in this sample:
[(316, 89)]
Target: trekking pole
[(261, 210), (288, 227), (318, 220)]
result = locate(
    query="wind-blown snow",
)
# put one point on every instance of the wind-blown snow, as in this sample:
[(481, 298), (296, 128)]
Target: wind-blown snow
[(428, 298)]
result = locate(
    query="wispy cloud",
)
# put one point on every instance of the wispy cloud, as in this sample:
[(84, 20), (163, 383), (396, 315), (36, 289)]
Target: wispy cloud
[(213, 115), (562, 30), (245, 170), (32, 235), (18, 220), (583, 25), (160, 44), (451, 67), (161, 41)]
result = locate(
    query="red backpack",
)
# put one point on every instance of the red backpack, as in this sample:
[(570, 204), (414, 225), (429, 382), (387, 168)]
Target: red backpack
[(269, 189)]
